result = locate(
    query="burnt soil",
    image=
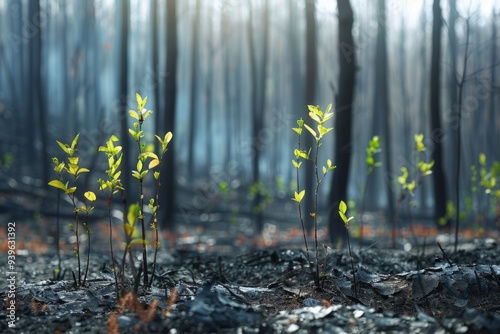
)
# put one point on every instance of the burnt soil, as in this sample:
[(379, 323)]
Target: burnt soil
[(266, 290)]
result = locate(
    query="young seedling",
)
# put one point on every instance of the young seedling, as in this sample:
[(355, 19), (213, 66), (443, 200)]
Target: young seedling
[(87, 209), (320, 118), (58, 273), (409, 185), (113, 184), (74, 170), (154, 202), (342, 214), (371, 163), (140, 173)]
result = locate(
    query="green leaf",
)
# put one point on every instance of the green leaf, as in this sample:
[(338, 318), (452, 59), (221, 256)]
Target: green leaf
[(73, 143), (298, 130), (315, 110), (72, 169), (63, 147), (298, 196), (311, 131), (300, 122), (168, 137), (70, 190), (90, 196), (59, 167), (138, 99), (322, 130), (482, 159), (58, 184), (134, 114), (146, 114), (324, 170), (404, 176), (156, 175), (419, 142), (139, 165), (296, 164), (73, 160), (315, 117), (327, 117), (328, 108), (153, 163), (82, 170), (342, 211), (150, 155), (342, 207)]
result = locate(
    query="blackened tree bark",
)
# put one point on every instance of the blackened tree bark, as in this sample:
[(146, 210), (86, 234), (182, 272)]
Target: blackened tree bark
[(168, 172), (195, 53), (343, 120), (493, 82), (310, 99), (258, 80), (37, 97), (155, 54), (123, 91), (435, 110), (451, 152), (381, 107)]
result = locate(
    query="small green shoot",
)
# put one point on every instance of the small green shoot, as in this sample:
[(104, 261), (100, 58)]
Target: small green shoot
[(346, 220), (409, 184), (74, 170), (320, 118)]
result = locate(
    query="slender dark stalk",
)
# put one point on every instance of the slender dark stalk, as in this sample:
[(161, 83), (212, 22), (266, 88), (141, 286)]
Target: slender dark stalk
[(459, 136), (362, 210), (315, 217), (143, 229), (395, 222), (155, 226), (128, 241), (113, 267), (141, 213), (88, 246), (76, 231), (58, 249), (301, 216), (352, 263)]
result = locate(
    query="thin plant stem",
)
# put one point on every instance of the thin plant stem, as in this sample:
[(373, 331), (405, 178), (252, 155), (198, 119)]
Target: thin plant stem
[(362, 210), (301, 217), (88, 246), (58, 249), (155, 226), (72, 196), (113, 267), (315, 217), (352, 262)]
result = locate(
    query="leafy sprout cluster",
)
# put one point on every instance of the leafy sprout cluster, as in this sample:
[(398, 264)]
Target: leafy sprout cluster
[(320, 118), (70, 170)]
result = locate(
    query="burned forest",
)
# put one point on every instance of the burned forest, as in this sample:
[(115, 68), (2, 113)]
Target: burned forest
[(250, 166)]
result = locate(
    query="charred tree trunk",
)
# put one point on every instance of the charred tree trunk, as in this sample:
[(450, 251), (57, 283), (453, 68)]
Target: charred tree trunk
[(435, 110), (382, 116), (194, 87), (453, 94), (258, 79), (168, 171), (38, 98), (123, 91), (343, 120), (310, 99)]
